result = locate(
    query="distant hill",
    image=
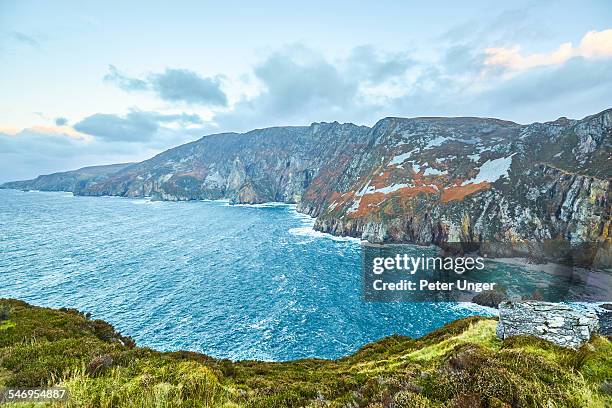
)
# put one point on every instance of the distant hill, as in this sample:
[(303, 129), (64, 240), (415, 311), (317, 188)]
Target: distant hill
[(68, 180)]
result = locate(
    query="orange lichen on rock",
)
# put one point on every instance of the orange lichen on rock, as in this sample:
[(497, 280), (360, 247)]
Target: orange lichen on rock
[(371, 202), (412, 191), (321, 186), (367, 204), (381, 179), (334, 196), (459, 192)]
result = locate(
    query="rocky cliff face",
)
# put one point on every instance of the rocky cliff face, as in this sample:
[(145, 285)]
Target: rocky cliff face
[(422, 180), (467, 179), (275, 164)]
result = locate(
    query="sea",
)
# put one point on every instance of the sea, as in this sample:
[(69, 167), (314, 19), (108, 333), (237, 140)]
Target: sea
[(231, 281)]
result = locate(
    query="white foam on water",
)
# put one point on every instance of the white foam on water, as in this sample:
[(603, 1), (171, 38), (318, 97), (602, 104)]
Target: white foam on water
[(473, 307), (144, 201), (306, 219), (309, 232), (261, 205), (307, 229)]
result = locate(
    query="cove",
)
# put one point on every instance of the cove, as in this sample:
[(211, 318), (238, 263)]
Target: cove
[(237, 282)]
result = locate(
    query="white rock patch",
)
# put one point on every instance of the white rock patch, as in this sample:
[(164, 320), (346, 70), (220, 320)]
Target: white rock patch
[(437, 141), (430, 171), (491, 171), (391, 189), (400, 158)]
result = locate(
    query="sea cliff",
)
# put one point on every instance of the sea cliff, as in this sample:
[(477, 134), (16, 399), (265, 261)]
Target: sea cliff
[(421, 180)]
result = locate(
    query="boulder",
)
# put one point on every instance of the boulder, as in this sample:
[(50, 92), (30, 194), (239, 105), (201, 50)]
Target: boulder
[(489, 298), (99, 364), (555, 322), (604, 313)]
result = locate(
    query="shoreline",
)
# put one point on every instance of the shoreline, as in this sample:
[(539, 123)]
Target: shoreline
[(308, 229)]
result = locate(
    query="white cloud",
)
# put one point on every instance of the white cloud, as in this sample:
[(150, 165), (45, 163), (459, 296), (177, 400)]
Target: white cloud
[(597, 44), (594, 44)]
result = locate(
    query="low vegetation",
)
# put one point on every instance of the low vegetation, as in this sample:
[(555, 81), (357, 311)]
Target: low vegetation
[(460, 365)]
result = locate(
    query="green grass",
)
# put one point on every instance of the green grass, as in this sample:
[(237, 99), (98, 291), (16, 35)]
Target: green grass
[(460, 365), (6, 325)]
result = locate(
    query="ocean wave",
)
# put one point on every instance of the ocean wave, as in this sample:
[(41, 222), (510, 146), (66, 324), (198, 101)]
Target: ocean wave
[(307, 228), (144, 201), (261, 205), (305, 218), (219, 200), (477, 309), (310, 232)]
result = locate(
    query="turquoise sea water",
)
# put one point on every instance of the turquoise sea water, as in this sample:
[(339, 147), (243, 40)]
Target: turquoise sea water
[(239, 282)]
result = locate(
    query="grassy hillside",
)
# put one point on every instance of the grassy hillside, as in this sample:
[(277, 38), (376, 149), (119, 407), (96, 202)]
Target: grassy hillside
[(461, 365)]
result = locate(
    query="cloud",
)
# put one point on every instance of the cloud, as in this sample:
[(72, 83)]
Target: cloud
[(173, 85), (24, 39), (182, 85), (297, 79), (462, 59), (299, 85), (594, 44), (135, 126), (124, 82), (180, 118), (296, 85), (35, 151), (29, 152), (368, 63), (582, 84)]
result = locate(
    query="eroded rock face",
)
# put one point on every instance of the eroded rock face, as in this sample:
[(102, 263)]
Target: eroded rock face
[(419, 180), (555, 322), (604, 313)]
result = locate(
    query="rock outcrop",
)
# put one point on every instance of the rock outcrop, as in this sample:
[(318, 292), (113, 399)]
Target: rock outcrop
[(604, 313), (555, 322), (419, 180)]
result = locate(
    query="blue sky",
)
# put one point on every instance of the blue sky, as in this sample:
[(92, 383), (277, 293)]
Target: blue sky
[(88, 83)]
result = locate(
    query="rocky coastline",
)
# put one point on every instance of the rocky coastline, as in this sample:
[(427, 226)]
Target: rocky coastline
[(421, 180)]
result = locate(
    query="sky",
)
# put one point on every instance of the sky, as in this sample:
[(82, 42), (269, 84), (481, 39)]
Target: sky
[(89, 83)]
